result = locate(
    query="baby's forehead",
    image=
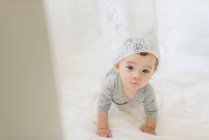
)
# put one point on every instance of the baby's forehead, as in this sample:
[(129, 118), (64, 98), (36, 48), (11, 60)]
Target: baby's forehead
[(138, 59)]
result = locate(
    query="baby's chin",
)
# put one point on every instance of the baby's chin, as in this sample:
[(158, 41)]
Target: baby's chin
[(134, 86)]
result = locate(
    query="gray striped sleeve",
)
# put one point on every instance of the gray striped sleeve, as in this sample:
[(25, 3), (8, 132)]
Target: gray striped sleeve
[(150, 104)]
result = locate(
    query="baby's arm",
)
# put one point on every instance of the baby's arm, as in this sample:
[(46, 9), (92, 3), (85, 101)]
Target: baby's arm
[(103, 105), (102, 127), (151, 111)]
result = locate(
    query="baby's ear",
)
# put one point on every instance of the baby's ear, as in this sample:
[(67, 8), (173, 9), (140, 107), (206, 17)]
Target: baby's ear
[(155, 69), (116, 67)]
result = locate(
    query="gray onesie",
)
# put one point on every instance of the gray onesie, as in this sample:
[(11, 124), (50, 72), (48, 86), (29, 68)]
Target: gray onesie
[(112, 92)]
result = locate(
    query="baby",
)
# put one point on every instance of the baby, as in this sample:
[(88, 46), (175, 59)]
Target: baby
[(128, 84)]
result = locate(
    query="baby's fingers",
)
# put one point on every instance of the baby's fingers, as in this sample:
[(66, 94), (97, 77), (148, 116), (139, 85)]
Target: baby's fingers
[(142, 128), (103, 133), (110, 134)]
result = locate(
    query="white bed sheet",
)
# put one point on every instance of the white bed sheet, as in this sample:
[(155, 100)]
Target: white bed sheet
[(182, 99)]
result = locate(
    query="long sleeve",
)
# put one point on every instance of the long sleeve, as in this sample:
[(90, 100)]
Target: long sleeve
[(150, 104), (105, 97)]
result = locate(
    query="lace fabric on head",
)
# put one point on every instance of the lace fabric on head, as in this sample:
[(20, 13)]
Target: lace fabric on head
[(136, 45)]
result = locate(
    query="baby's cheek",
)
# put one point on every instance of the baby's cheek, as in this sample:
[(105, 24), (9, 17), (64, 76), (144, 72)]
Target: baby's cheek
[(126, 78), (145, 80)]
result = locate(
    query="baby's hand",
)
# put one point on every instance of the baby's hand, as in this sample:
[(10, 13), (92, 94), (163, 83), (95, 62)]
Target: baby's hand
[(104, 132), (148, 130)]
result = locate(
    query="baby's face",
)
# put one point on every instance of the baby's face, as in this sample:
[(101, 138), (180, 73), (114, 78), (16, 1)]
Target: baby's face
[(135, 71)]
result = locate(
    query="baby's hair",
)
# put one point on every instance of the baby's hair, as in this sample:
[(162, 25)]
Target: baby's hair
[(144, 54)]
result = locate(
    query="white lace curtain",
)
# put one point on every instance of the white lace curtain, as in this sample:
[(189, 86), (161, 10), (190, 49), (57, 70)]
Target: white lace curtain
[(121, 18), (76, 27)]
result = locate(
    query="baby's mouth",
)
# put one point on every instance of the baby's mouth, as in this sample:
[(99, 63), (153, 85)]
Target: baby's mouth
[(135, 84)]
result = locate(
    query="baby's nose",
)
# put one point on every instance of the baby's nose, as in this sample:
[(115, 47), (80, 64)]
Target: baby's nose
[(137, 75)]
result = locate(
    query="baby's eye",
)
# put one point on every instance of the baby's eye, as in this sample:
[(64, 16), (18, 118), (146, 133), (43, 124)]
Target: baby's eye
[(146, 71), (130, 67)]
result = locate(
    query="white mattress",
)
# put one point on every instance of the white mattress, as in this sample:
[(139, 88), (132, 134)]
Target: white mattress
[(181, 83)]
